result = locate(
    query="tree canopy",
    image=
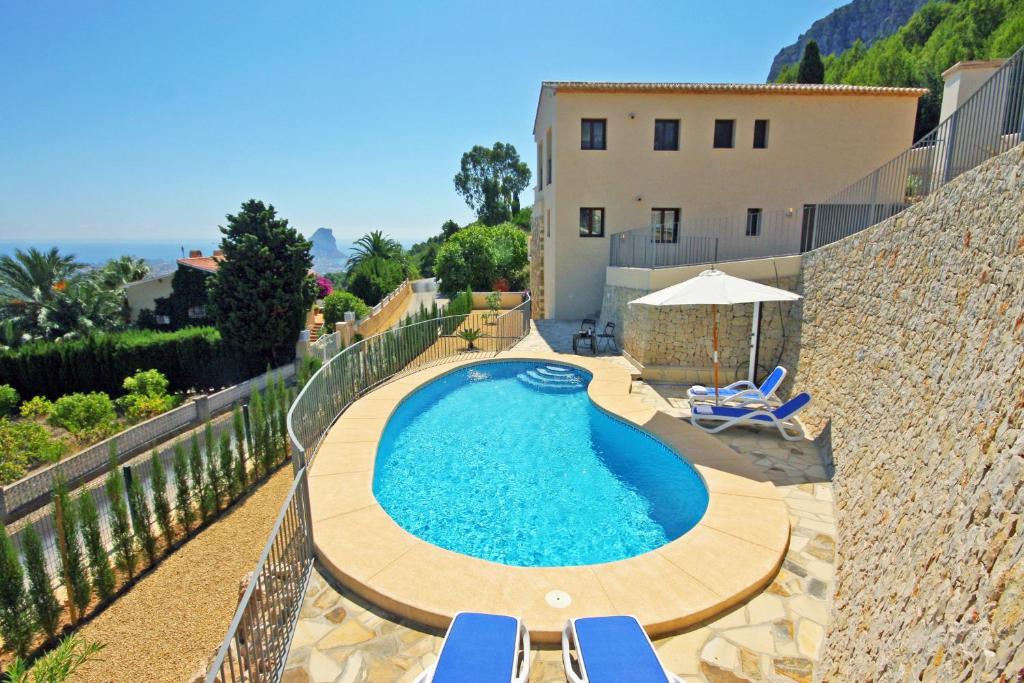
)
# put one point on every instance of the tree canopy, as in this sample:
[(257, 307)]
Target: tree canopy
[(478, 256), (262, 290), (490, 181)]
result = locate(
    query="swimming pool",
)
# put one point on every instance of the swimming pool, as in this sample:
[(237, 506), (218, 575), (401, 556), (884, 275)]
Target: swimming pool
[(510, 461)]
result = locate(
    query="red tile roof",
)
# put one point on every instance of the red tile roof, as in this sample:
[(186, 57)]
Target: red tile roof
[(205, 263)]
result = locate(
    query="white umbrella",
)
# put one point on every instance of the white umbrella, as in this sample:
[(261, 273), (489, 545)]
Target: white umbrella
[(715, 287)]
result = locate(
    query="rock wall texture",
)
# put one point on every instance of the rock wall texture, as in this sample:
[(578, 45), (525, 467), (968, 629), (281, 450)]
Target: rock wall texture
[(912, 345), (675, 343)]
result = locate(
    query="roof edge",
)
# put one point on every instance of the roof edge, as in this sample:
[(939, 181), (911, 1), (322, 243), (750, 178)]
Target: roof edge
[(733, 88)]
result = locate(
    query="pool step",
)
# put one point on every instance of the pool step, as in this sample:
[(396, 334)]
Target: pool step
[(551, 380)]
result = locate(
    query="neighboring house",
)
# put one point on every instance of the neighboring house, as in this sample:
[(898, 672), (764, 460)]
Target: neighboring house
[(740, 163), (175, 299)]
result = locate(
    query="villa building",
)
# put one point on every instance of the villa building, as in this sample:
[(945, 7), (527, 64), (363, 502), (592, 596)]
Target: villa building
[(734, 170), (178, 298)]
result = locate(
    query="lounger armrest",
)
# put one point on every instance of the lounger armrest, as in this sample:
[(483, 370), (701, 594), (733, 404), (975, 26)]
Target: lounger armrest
[(740, 383), (524, 647), (568, 640), (748, 396)]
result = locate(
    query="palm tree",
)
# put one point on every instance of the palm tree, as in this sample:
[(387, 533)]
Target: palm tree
[(373, 245), (31, 280), (120, 271), (84, 307)]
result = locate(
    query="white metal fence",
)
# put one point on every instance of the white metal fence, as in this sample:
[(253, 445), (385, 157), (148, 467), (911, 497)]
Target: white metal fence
[(257, 643)]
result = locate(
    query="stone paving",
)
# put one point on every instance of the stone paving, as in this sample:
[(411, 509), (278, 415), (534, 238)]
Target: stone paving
[(775, 636)]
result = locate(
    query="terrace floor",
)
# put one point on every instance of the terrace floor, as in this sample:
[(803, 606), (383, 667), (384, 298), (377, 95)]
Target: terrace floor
[(774, 636)]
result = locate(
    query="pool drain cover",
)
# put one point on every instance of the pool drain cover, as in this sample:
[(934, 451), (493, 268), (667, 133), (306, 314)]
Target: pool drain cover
[(559, 599)]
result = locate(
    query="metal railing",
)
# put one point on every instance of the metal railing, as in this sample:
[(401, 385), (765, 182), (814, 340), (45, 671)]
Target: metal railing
[(257, 643), (989, 123)]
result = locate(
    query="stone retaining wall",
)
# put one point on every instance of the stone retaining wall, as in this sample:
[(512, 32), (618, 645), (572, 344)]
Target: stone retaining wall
[(674, 344), (912, 345)]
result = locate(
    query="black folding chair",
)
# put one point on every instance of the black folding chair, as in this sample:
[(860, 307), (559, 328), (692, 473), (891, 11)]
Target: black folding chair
[(606, 339)]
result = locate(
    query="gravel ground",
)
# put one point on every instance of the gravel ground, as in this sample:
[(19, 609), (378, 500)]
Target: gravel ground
[(165, 627)]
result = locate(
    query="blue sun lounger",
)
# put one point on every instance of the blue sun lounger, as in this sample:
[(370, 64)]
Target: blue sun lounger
[(611, 650), (742, 392), (482, 648), (713, 419)]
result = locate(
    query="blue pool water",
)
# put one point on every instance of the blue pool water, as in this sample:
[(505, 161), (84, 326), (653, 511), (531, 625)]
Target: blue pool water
[(512, 462)]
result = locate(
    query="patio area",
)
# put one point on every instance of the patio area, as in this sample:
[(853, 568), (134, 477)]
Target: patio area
[(774, 636)]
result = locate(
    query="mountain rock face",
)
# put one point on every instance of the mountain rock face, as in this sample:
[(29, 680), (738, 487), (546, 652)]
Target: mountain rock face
[(324, 244), (867, 20)]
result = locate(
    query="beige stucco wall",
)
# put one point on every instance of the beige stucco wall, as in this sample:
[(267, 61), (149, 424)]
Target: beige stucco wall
[(912, 344), (817, 144), (142, 295)]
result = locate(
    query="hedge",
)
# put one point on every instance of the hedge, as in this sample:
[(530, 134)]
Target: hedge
[(191, 358)]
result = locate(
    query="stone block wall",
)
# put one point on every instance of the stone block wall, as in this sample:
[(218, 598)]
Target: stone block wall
[(912, 345), (675, 343)]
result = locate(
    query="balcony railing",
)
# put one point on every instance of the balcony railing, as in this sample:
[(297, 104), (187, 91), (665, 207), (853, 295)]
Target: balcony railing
[(989, 123)]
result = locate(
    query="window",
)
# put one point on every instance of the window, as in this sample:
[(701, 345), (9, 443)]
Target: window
[(724, 133), (547, 222), (547, 150), (592, 134), (591, 222), (753, 222), (666, 225), (760, 133), (196, 312), (540, 165), (666, 134)]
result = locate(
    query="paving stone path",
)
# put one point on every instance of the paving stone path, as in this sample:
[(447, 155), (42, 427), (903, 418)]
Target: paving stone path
[(775, 636)]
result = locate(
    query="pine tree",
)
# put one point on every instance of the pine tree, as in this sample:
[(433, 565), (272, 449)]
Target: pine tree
[(76, 579), (811, 69), (227, 472), (45, 606), (120, 521), (182, 494), (161, 506), (99, 561), (142, 520), (16, 625), (239, 425)]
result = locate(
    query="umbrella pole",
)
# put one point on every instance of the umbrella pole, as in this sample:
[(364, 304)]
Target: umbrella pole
[(714, 357)]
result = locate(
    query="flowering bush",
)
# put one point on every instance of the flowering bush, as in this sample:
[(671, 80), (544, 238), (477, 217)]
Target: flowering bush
[(324, 287)]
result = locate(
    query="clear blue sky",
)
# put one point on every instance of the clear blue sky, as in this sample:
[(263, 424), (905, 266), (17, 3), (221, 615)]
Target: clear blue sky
[(151, 120)]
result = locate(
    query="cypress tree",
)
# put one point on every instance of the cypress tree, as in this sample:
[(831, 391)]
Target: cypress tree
[(239, 425), (45, 606), (227, 472), (811, 69), (256, 423), (182, 494), (195, 464), (142, 520), (120, 521), (284, 399), (76, 579), (161, 506), (99, 561), (16, 625), (212, 471)]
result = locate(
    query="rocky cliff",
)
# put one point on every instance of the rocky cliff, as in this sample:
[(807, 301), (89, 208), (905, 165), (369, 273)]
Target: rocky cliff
[(867, 20)]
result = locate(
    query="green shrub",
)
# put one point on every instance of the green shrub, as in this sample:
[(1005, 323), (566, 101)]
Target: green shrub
[(45, 607), (37, 406), (182, 494), (198, 479), (213, 474), (374, 278), (338, 303), (307, 368), (147, 395), (87, 416), (477, 256), (191, 358), (146, 383), (99, 561), (9, 399), (161, 506), (227, 470), (24, 445), (69, 547), (240, 475), (120, 521), (16, 625)]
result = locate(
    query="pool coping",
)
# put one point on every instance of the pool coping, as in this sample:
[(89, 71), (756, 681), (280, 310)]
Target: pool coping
[(734, 550)]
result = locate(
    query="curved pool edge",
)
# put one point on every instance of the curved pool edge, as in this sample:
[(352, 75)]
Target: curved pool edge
[(734, 550)]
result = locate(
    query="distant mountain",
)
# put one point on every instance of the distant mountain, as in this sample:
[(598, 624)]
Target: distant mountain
[(324, 244), (864, 20)]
